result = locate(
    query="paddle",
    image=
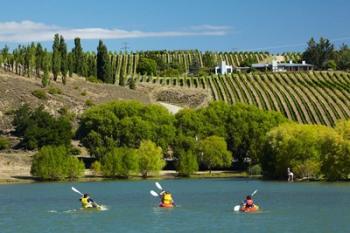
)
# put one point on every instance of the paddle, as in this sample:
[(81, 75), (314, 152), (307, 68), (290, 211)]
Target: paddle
[(238, 207), (158, 186), (153, 193)]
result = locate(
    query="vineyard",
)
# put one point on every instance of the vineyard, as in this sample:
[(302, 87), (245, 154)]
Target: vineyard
[(305, 97), (126, 63)]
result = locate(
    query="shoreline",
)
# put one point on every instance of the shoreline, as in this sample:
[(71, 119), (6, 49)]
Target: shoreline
[(165, 174)]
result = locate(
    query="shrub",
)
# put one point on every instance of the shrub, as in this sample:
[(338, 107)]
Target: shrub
[(83, 93), (255, 170), (54, 163), (93, 79), (150, 158), (187, 163), (4, 143), (40, 94), (119, 162), (89, 103), (54, 90), (96, 167)]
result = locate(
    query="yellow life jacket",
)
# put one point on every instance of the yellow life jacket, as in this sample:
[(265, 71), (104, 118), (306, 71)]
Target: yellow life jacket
[(85, 202), (167, 199)]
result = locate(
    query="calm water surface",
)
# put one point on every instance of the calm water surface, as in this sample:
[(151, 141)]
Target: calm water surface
[(205, 205)]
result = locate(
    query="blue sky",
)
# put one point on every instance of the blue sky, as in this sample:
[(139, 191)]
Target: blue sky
[(220, 25)]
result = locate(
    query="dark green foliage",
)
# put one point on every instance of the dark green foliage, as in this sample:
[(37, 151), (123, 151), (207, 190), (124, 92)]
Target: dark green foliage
[(89, 103), (209, 60), (39, 59), (132, 83), (41, 94), (64, 59), (343, 58), (45, 80), (248, 62), (318, 54), (55, 163), (195, 67), (38, 128), (147, 66), (93, 79), (104, 72), (77, 58), (56, 57), (120, 162), (125, 124), (4, 143)]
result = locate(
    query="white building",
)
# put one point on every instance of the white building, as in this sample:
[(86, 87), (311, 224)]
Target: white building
[(223, 68)]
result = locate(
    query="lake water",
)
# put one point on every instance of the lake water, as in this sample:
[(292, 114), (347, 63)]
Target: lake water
[(204, 205)]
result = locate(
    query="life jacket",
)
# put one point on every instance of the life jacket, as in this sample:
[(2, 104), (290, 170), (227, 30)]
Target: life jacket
[(167, 199), (85, 202), (249, 203)]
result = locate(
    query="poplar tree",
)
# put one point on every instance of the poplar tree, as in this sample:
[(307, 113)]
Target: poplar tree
[(64, 59), (78, 56), (39, 53), (103, 64), (56, 57)]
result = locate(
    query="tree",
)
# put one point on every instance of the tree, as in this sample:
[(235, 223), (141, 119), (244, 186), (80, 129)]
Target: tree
[(213, 152), (195, 66), (45, 80), (209, 60), (187, 163), (318, 54), (56, 57), (39, 59), (343, 58), (120, 162), (38, 128), (64, 59), (103, 64), (132, 83), (78, 55), (146, 66), (150, 158), (54, 163)]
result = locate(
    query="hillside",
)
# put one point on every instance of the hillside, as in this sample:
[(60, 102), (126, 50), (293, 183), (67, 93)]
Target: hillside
[(79, 94), (305, 97)]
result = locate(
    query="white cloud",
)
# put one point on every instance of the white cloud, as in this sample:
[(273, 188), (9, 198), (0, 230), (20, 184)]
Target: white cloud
[(26, 31)]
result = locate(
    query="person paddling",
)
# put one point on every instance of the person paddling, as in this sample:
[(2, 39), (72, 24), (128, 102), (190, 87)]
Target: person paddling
[(87, 202), (166, 199), (248, 202)]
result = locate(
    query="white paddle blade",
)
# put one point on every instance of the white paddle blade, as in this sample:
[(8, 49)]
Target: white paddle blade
[(237, 208), (159, 186), (77, 191), (153, 193), (254, 192)]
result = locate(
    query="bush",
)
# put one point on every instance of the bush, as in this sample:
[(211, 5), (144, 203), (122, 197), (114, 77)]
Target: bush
[(40, 94), (150, 158), (54, 163), (147, 66), (96, 167), (119, 162), (83, 93), (187, 163), (54, 90), (4, 143), (93, 79), (255, 170), (89, 103)]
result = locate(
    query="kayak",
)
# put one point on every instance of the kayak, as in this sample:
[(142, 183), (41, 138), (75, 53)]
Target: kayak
[(162, 205), (92, 207), (253, 209)]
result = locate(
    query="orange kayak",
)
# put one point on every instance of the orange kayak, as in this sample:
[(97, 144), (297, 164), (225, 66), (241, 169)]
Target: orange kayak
[(166, 205), (255, 208)]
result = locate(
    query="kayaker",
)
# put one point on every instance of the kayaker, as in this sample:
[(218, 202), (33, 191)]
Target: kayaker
[(166, 198), (248, 203), (87, 202)]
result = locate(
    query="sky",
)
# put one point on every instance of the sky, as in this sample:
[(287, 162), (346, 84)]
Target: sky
[(216, 25)]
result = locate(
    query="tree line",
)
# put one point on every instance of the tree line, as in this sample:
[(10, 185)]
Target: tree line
[(103, 65), (127, 137)]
